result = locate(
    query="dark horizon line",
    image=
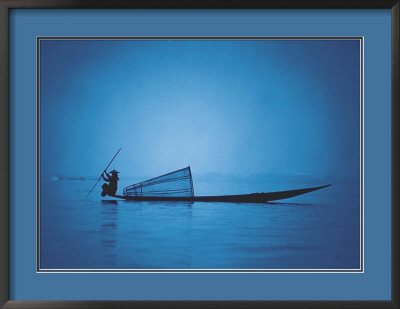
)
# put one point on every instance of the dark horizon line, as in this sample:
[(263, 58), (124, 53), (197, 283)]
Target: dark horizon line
[(211, 174)]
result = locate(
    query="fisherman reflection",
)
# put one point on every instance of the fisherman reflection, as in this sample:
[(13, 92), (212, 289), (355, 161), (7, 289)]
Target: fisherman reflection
[(111, 187)]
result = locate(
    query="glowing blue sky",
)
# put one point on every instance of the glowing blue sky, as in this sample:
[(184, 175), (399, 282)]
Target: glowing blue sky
[(232, 107)]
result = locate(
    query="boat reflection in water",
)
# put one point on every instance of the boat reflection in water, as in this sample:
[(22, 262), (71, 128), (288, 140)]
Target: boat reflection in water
[(108, 232)]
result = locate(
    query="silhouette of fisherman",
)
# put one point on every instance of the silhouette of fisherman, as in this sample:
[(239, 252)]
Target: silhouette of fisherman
[(111, 187)]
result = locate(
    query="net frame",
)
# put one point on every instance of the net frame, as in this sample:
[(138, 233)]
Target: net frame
[(137, 188)]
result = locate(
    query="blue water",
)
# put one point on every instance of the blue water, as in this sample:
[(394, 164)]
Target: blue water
[(319, 230)]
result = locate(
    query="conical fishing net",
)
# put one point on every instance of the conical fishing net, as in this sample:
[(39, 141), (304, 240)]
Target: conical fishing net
[(174, 184)]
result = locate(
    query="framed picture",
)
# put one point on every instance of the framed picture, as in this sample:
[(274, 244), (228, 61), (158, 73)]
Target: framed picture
[(161, 154)]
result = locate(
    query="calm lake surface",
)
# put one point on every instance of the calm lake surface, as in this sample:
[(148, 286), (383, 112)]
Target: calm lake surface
[(319, 230)]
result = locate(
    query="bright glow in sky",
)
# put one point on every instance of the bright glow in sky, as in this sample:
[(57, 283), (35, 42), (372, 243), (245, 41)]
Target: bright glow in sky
[(234, 107)]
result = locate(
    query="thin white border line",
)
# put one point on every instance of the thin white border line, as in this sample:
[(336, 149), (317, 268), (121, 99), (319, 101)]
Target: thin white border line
[(226, 271), (211, 269), (361, 146), (201, 271), (199, 38), (363, 159), (37, 150)]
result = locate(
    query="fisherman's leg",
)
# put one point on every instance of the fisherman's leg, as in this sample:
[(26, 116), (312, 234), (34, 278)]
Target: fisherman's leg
[(105, 188)]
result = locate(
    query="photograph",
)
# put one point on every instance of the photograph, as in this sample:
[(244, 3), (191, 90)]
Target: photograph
[(199, 154)]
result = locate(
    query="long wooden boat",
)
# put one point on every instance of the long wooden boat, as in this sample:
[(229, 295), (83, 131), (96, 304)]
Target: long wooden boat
[(240, 198)]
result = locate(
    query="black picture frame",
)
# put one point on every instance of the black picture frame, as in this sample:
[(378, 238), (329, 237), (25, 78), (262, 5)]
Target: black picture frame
[(6, 5)]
